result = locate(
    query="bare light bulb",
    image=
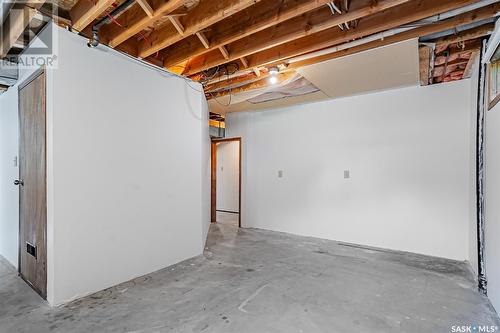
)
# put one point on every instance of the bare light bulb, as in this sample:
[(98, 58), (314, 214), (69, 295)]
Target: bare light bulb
[(273, 79), (274, 70)]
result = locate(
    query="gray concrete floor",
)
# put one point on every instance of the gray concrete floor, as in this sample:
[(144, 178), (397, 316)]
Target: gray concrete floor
[(260, 281), (227, 218)]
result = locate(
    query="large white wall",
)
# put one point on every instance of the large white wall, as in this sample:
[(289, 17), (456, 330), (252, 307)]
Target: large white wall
[(492, 206), (127, 159), (228, 176), (408, 153), (9, 195), (128, 164)]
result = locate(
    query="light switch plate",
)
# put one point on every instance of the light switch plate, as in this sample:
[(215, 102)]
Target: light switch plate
[(280, 173), (347, 174)]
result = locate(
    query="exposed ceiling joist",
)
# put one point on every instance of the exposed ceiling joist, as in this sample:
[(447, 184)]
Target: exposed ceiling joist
[(86, 11), (462, 36), (234, 81), (463, 19), (243, 24), (262, 83), (205, 14), (134, 20), (260, 48)]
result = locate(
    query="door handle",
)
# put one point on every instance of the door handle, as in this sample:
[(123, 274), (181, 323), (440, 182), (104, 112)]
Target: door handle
[(19, 182)]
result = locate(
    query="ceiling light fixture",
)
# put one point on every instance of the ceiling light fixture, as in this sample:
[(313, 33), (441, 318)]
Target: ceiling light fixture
[(273, 79), (274, 71)]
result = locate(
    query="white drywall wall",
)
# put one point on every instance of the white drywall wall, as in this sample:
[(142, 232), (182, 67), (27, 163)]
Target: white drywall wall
[(9, 149), (127, 158), (206, 171), (228, 176), (492, 207), (9, 194), (408, 153)]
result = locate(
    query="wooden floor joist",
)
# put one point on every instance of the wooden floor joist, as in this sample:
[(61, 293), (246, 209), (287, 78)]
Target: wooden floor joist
[(202, 16), (260, 49), (85, 12), (204, 36), (463, 19), (134, 20), (262, 83), (243, 24)]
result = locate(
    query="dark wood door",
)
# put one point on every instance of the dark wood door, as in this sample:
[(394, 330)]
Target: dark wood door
[(32, 184)]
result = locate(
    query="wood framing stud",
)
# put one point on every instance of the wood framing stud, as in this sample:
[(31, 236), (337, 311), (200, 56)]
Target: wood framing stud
[(147, 7), (425, 54), (203, 39), (174, 19), (244, 62), (224, 52)]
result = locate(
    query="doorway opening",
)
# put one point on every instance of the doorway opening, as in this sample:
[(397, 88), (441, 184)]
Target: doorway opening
[(226, 181), (32, 183)]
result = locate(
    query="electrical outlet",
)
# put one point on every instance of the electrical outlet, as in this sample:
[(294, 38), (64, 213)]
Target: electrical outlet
[(280, 173), (347, 174)]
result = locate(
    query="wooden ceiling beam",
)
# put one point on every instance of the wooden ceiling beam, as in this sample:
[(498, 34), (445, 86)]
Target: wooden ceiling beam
[(245, 23), (285, 41), (205, 14), (134, 20), (483, 30), (262, 83), (84, 12), (250, 77), (15, 23), (459, 20)]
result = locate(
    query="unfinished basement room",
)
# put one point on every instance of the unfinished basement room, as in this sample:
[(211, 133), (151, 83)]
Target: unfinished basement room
[(249, 166)]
